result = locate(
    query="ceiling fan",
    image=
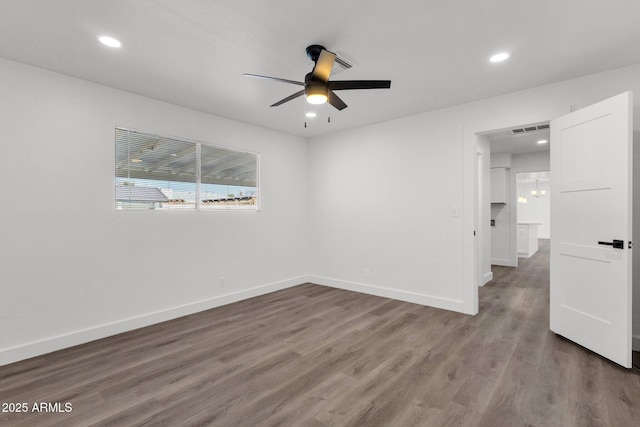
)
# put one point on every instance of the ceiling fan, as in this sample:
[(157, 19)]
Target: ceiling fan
[(317, 87)]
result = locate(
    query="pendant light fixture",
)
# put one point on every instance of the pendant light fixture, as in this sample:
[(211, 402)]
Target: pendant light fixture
[(537, 193)]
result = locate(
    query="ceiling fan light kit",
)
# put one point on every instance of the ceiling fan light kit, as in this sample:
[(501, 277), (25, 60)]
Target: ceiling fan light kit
[(316, 94), (317, 87), (316, 98)]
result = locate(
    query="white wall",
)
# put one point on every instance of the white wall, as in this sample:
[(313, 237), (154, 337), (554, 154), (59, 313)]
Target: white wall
[(74, 269), (386, 209), (382, 196)]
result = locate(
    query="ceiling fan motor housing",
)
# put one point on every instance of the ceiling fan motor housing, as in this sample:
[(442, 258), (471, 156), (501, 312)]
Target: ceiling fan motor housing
[(314, 51), (314, 86), (315, 91)]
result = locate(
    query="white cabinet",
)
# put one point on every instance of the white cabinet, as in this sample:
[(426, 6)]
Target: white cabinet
[(499, 193), (527, 240)]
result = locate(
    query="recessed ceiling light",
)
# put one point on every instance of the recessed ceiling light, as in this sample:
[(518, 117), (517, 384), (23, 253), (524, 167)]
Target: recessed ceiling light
[(499, 57), (310, 114), (109, 41), (542, 141)]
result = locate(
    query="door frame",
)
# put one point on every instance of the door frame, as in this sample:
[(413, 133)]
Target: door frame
[(480, 137)]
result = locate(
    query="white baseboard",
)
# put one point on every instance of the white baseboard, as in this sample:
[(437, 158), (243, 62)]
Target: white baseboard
[(635, 343), (81, 336), (487, 278), (504, 262), (428, 300)]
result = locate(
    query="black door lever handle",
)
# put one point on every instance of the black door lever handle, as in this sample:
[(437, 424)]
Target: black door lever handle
[(617, 244)]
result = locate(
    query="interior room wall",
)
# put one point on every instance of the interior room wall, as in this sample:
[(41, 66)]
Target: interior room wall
[(74, 269), (392, 204), (386, 209)]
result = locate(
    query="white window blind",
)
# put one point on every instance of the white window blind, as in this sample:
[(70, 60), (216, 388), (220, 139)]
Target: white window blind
[(155, 172)]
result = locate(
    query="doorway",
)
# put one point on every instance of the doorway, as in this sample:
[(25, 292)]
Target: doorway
[(590, 292), (519, 155)]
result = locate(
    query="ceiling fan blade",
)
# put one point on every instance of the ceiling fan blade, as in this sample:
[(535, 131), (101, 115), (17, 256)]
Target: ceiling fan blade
[(323, 67), (335, 100), (288, 98), (293, 82), (359, 84)]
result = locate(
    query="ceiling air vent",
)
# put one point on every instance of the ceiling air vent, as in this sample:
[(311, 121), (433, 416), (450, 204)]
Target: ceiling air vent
[(528, 129), (342, 64)]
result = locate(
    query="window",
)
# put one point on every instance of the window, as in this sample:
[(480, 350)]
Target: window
[(156, 172)]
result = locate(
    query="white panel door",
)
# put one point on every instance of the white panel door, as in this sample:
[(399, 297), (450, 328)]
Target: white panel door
[(591, 227)]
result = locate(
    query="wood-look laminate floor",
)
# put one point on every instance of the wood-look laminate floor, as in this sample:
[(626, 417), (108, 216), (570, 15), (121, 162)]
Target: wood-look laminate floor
[(317, 356)]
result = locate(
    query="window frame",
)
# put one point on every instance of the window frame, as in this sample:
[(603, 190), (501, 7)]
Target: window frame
[(198, 166)]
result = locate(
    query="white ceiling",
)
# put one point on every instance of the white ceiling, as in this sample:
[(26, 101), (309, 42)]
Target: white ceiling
[(193, 53)]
